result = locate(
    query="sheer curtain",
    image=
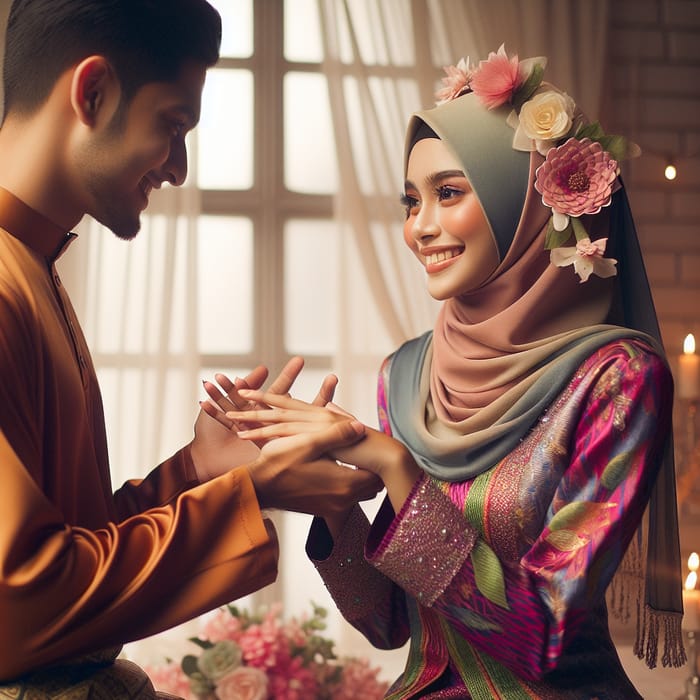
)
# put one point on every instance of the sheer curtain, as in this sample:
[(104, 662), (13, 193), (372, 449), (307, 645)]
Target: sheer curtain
[(383, 61)]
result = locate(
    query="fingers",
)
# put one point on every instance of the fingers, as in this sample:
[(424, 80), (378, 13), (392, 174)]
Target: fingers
[(327, 391), (253, 380), (287, 376)]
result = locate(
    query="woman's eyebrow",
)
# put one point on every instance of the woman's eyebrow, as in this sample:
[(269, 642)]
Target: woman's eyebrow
[(434, 179)]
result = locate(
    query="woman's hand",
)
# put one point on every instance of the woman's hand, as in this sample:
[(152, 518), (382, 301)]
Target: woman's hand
[(225, 400), (377, 452)]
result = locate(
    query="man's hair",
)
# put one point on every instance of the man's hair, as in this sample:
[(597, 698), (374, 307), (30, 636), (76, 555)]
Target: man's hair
[(144, 40)]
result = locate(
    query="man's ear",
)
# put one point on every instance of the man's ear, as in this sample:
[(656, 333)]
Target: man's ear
[(93, 88)]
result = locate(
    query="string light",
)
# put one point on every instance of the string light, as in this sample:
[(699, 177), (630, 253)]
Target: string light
[(670, 171)]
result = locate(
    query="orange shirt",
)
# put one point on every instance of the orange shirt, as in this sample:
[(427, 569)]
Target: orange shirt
[(83, 568)]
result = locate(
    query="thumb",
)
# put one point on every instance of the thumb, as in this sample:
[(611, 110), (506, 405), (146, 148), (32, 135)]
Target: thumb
[(342, 433)]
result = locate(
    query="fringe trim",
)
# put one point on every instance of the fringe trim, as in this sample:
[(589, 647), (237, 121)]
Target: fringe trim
[(646, 644), (627, 584)]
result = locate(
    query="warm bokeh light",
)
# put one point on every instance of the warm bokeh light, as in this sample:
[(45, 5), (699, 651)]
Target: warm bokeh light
[(689, 349), (693, 561), (690, 581), (670, 172)]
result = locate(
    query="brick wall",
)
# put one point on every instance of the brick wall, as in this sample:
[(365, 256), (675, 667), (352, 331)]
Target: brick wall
[(654, 97)]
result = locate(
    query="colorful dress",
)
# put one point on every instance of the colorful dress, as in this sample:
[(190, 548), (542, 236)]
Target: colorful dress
[(500, 581)]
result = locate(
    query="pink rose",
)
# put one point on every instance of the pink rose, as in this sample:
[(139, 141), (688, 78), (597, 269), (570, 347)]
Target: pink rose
[(243, 683)]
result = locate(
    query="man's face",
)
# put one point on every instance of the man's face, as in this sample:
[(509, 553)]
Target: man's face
[(142, 147)]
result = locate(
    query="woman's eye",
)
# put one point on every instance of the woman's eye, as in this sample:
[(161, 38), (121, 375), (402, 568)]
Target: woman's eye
[(446, 192)]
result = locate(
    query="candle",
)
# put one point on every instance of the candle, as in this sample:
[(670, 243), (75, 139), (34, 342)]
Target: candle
[(691, 597), (689, 371)]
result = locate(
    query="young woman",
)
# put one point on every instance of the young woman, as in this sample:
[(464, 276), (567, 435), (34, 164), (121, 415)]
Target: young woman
[(531, 427)]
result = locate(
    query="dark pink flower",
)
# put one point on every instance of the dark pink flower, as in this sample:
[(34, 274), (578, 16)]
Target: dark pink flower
[(576, 178), (496, 79)]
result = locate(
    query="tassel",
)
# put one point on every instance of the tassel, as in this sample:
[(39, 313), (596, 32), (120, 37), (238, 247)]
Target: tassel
[(646, 644)]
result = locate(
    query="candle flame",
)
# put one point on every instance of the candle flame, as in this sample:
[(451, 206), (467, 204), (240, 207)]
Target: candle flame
[(691, 581), (693, 561), (689, 344)]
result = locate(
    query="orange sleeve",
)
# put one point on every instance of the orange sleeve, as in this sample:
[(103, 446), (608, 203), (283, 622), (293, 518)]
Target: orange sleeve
[(65, 591)]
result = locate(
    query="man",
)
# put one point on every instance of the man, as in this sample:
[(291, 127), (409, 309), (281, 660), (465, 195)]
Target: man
[(99, 95)]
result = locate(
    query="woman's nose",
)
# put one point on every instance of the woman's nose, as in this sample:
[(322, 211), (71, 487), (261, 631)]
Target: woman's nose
[(425, 224)]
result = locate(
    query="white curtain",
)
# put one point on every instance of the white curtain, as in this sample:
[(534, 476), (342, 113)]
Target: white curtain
[(383, 60)]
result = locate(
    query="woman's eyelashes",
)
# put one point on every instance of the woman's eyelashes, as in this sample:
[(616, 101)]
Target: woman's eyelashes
[(409, 203)]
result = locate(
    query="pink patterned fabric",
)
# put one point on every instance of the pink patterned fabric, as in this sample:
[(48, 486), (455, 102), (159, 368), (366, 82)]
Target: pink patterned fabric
[(543, 532)]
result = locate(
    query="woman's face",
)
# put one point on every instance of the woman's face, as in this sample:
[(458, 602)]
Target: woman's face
[(445, 226)]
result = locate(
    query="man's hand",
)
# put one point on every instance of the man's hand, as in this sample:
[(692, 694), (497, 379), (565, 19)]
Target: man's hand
[(291, 473), (287, 418)]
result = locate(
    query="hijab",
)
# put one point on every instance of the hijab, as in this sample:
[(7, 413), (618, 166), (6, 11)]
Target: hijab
[(502, 352)]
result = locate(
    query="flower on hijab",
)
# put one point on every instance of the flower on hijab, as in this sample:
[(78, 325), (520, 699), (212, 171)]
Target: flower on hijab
[(262, 657), (455, 82), (576, 178), (497, 78), (580, 171), (586, 257), (544, 119)]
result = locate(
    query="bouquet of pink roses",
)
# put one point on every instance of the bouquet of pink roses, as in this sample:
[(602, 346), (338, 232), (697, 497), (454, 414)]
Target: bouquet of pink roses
[(261, 657)]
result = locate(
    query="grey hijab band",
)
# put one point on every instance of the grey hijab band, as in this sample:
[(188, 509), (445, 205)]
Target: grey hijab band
[(482, 141)]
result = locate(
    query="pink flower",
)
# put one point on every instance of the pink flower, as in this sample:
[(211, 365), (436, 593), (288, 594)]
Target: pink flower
[(576, 178), (497, 78), (360, 681), (587, 258), (293, 681), (243, 683), (169, 678), (456, 82), (222, 625)]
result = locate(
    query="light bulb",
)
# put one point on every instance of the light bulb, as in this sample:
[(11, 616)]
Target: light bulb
[(670, 172)]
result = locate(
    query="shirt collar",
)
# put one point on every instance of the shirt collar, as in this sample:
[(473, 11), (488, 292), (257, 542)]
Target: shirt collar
[(32, 228)]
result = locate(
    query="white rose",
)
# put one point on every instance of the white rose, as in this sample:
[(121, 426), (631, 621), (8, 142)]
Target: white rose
[(547, 116), (219, 659), (244, 683)]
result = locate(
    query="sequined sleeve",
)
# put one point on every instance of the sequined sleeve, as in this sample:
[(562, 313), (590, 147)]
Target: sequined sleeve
[(367, 599), (602, 440)]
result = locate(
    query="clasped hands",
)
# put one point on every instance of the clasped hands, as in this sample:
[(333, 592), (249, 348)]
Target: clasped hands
[(300, 439)]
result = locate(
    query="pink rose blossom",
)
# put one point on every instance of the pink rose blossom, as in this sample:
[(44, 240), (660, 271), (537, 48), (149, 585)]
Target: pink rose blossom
[(496, 79), (243, 683), (576, 178), (456, 82)]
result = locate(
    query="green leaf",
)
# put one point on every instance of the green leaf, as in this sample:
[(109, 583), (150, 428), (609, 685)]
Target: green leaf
[(489, 574), (189, 665), (203, 643), (616, 470), (565, 540), (554, 238), (569, 516), (527, 89), (593, 131), (579, 229)]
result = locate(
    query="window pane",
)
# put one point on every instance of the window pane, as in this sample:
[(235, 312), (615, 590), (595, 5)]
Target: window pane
[(225, 132), (310, 291), (309, 151), (225, 284), (302, 31), (236, 27)]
